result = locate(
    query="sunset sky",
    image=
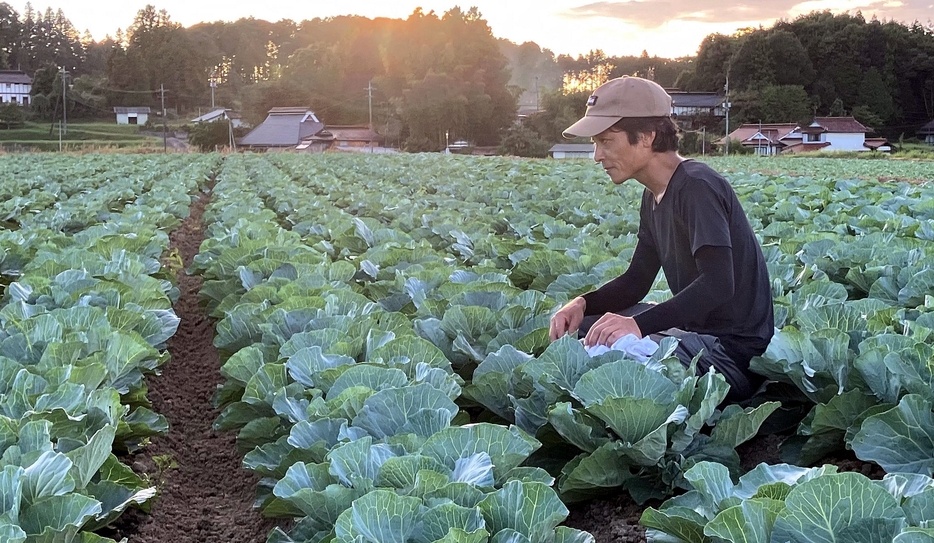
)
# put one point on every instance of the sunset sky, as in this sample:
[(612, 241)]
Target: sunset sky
[(667, 28)]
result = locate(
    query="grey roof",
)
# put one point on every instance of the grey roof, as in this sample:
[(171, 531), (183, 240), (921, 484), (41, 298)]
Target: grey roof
[(927, 129), (282, 130), (695, 99), (210, 116), (15, 76), (144, 109), (572, 148)]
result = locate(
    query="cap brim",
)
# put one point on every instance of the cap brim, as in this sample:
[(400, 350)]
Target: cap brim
[(589, 127)]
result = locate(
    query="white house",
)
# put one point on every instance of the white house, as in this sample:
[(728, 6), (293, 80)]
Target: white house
[(220, 114), (15, 87), (571, 150), (835, 134), (132, 115)]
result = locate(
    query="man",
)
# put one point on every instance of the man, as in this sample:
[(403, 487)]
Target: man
[(692, 227)]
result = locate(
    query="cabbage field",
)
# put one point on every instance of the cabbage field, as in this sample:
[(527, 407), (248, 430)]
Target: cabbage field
[(382, 331)]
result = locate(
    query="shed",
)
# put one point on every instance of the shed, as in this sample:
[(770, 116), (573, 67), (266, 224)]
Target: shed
[(926, 133), (571, 150), (132, 115)]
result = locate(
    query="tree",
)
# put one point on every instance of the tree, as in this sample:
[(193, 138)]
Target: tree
[(519, 140)]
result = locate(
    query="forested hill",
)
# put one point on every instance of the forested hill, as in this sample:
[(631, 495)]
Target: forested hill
[(435, 76), (880, 72)]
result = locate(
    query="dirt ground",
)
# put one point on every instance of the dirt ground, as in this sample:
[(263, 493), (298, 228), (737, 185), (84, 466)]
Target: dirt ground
[(206, 497)]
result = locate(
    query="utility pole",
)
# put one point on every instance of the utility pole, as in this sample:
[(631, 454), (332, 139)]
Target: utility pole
[(536, 93), (164, 142), (369, 93), (64, 103), (704, 140), (213, 82), (727, 105)]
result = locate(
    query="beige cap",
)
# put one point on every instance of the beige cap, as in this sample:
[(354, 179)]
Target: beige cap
[(618, 98)]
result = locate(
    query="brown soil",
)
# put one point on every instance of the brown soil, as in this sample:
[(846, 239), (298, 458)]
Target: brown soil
[(208, 497)]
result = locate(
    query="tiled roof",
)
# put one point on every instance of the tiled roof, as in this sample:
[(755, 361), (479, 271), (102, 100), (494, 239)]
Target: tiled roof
[(875, 143), (927, 129), (804, 147), (143, 109), (15, 76), (841, 125), (282, 130), (749, 130), (353, 133)]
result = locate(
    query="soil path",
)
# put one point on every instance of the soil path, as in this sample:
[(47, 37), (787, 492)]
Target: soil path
[(208, 497)]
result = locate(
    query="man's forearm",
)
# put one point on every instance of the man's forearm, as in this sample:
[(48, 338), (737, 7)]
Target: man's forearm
[(713, 287), (629, 288)]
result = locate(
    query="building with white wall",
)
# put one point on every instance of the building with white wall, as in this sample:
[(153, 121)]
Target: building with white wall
[(15, 87), (571, 150), (132, 115)]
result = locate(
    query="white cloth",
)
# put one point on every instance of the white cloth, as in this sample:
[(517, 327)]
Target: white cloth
[(639, 349)]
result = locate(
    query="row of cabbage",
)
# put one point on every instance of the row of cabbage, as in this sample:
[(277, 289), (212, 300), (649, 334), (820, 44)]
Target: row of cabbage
[(348, 414), (85, 315), (852, 272), (477, 253)]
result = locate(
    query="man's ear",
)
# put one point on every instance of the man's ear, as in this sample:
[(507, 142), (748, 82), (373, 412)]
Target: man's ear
[(647, 138)]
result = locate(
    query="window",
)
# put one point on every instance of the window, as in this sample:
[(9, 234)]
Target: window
[(25, 100), (12, 99), (813, 137)]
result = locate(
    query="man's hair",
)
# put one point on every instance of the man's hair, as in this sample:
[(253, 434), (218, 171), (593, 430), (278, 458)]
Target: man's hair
[(666, 131)]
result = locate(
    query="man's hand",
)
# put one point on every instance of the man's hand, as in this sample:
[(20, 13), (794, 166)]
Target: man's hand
[(568, 318), (609, 328)]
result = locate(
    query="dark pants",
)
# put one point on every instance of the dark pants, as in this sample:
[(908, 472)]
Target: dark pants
[(742, 383)]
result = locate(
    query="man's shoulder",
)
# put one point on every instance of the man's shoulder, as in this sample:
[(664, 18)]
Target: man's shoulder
[(696, 175), (695, 169)]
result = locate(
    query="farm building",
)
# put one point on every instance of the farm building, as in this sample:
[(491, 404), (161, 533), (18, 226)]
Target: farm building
[(926, 133), (132, 115), (824, 134), (284, 128), (696, 103), (571, 150), (15, 87), (220, 114)]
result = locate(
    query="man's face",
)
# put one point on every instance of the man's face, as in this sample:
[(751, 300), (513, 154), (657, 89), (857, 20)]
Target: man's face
[(620, 159)]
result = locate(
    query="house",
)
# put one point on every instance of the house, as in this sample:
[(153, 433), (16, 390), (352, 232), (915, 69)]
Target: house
[(284, 128), (132, 115), (15, 87), (571, 150), (836, 134), (220, 114), (824, 134), (353, 136), (766, 138), (696, 103), (926, 132)]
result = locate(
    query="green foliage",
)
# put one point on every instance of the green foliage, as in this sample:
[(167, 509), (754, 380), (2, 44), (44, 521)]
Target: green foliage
[(787, 503), (519, 140)]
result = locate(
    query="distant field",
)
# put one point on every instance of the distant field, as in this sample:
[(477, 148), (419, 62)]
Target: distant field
[(38, 136)]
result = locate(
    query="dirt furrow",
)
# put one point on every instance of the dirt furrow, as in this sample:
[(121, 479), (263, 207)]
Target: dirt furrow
[(205, 495)]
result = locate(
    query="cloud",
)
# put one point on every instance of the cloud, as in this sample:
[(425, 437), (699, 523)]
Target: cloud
[(651, 14)]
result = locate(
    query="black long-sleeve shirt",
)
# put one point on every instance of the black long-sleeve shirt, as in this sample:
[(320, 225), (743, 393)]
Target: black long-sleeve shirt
[(699, 235)]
